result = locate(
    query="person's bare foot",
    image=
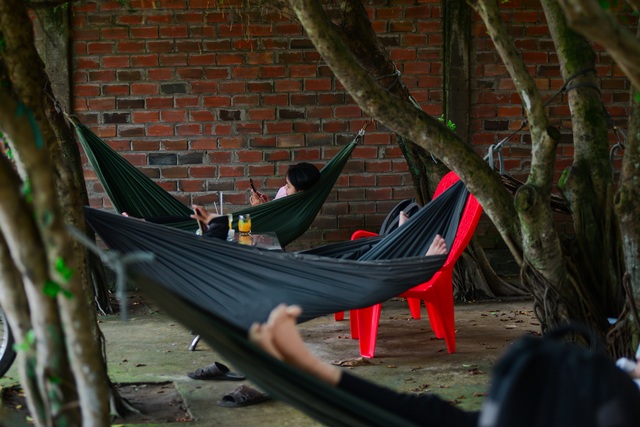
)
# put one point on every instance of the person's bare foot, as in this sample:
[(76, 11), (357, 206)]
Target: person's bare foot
[(438, 246)]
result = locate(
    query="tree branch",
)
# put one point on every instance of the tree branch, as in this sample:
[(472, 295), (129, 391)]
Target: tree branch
[(599, 25), (543, 145)]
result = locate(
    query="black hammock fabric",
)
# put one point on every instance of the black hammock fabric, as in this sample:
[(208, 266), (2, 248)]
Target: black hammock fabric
[(328, 405), (133, 192), (242, 284), (439, 216)]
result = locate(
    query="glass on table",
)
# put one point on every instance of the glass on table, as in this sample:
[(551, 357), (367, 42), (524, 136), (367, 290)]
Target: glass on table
[(244, 224)]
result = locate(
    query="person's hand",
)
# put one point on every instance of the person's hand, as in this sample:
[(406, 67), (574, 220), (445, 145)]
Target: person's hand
[(257, 198), (280, 337), (201, 214)]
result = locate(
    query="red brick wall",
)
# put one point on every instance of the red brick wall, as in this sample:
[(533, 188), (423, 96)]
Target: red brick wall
[(202, 97)]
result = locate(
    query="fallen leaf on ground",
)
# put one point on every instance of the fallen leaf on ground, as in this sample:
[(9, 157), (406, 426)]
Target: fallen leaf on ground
[(358, 361)]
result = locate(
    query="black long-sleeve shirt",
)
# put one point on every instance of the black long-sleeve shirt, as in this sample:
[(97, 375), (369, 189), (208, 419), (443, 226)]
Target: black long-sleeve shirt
[(421, 409)]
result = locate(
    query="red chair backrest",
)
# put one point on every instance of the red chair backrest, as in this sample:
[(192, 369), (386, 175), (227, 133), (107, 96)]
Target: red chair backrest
[(468, 221)]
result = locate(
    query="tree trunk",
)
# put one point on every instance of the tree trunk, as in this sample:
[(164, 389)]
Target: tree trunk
[(52, 29), (56, 201), (596, 272), (627, 204), (45, 370)]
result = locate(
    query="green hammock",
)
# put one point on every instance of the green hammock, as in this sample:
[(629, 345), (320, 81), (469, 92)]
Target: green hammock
[(133, 192), (327, 404)]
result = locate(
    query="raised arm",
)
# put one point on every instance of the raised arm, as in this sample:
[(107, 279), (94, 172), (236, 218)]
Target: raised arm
[(280, 337)]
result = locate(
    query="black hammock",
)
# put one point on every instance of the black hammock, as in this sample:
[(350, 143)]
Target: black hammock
[(242, 284), (327, 404), (133, 192)]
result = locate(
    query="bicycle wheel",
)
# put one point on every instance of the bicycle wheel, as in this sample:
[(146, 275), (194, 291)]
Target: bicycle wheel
[(7, 353)]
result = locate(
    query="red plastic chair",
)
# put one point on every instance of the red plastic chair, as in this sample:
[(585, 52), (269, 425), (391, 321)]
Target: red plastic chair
[(437, 293)]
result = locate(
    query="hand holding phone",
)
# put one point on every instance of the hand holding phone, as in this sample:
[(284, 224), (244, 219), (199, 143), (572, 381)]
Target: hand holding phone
[(257, 198)]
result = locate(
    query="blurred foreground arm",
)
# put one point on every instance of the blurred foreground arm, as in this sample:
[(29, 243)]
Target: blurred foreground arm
[(280, 337)]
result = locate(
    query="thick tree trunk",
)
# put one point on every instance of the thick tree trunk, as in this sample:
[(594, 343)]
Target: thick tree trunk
[(627, 204), (69, 305), (590, 19), (51, 371), (587, 185), (52, 26)]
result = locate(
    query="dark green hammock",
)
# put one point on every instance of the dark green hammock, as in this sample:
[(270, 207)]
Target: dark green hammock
[(327, 404), (243, 284), (133, 192)]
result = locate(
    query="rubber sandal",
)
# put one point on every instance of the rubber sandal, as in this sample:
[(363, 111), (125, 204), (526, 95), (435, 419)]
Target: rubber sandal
[(242, 396), (216, 372)]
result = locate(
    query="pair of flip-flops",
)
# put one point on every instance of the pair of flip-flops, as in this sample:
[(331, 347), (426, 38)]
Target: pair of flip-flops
[(216, 372), (243, 396)]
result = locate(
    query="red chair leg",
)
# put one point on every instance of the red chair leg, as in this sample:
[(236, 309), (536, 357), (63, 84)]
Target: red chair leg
[(354, 327), (414, 307), (441, 312), (338, 316), (368, 320), (435, 320)]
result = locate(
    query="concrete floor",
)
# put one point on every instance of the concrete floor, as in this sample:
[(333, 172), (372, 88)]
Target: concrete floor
[(150, 347)]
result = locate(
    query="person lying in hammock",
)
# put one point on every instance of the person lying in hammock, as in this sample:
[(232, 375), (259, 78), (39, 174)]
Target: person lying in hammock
[(280, 337), (211, 224), (300, 177)]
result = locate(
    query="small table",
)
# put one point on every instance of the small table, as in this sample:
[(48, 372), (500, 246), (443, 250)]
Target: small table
[(267, 240)]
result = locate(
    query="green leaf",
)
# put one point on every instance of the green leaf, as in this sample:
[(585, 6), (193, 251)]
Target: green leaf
[(51, 288), (61, 267), (450, 124)]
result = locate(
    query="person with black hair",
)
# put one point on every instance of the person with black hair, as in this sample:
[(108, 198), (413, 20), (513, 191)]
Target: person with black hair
[(300, 177)]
